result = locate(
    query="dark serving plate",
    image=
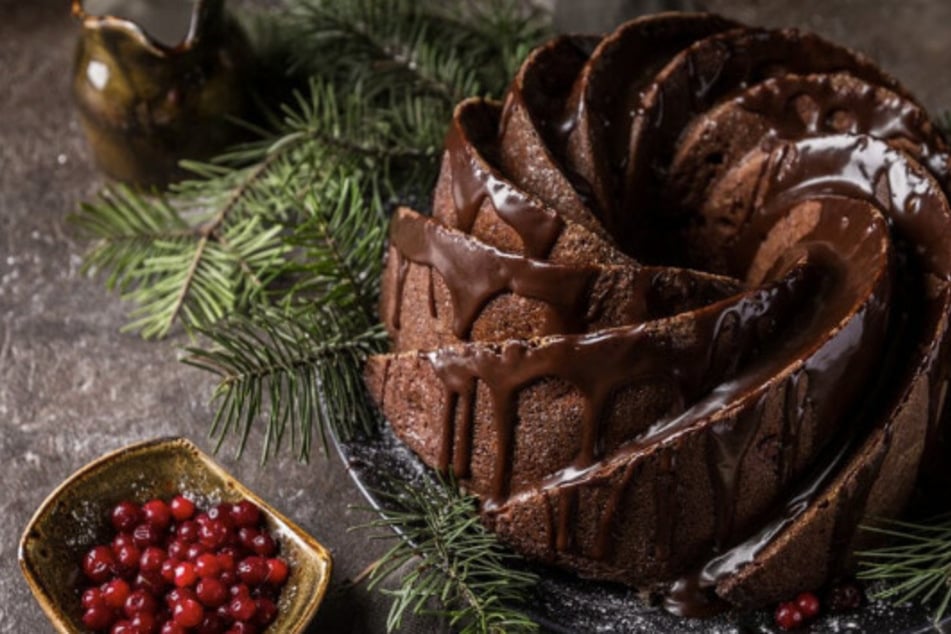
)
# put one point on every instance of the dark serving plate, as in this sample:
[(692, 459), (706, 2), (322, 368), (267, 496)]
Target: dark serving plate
[(567, 604)]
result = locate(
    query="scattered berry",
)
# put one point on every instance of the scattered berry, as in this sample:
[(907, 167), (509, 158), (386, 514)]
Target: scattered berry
[(788, 616), (845, 597), (808, 604)]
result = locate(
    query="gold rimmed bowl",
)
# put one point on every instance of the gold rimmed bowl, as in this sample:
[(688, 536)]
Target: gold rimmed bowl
[(75, 517)]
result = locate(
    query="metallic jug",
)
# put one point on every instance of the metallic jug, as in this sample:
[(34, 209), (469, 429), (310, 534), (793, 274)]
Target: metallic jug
[(156, 81)]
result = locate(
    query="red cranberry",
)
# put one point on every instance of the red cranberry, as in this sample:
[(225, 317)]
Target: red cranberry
[(245, 513), (212, 624), (139, 601), (185, 574), (171, 627), (222, 513), (152, 559), (115, 592), (188, 613), (151, 582), (98, 617), (243, 627), (181, 508), (157, 513), (212, 534), (788, 616), (177, 549), (265, 612), (226, 559), (99, 563), (239, 590), (147, 535), (845, 597), (228, 577), (206, 565), (246, 536), (144, 623), (808, 604), (252, 570), (122, 539), (277, 571), (125, 516), (187, 532), (194, 551), (168, 570), (263, 544), (91, 598), (242, 608), (122, 627), (127, 558), (211, 592), (177, 595)]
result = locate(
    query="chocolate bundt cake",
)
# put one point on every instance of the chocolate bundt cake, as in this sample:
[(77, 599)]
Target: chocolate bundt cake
[(679, 317)]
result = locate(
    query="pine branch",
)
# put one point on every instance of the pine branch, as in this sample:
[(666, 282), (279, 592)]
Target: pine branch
[(300, 371), (917, 564), (340, 243), (445, 555)]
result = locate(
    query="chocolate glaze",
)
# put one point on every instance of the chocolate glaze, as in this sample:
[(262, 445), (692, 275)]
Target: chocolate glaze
[(475, 273), (474, 180), (834, 213)]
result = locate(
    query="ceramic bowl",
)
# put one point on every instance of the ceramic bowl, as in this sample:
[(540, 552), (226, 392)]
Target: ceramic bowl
[(75, 517)]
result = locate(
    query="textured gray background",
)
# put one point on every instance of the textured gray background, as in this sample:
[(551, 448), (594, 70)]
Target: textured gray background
[(72, 387)]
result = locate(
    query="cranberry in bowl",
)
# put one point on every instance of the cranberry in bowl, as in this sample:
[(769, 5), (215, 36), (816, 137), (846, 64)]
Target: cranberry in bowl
[(161, 527)]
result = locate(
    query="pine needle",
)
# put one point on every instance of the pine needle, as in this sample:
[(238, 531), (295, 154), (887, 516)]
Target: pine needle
[(445, 556), (300, 370), (916, 564)]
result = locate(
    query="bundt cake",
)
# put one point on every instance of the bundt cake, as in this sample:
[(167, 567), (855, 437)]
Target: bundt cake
[(679, 316)]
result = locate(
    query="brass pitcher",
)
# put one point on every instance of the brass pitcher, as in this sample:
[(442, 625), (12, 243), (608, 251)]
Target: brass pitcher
[(155, 81)]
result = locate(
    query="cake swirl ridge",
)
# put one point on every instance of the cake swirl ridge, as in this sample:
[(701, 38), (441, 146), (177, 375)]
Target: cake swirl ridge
[(679, 316)]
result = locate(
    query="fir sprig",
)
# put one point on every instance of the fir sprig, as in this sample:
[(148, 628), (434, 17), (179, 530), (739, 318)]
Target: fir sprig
[(916, 565), (303, 368), (445, 556)]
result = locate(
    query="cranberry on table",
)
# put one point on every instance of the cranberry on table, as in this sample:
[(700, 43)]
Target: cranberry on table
[(808, 604), (788, 616), (845, 597)]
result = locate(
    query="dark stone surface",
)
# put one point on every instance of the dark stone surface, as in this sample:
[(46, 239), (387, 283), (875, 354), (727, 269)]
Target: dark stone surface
[(72, 387)]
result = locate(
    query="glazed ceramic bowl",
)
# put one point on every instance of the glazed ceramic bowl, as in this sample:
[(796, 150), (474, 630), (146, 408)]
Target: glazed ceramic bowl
[(75, 517)]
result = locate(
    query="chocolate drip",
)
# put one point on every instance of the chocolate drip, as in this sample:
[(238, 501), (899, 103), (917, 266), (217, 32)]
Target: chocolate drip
[(599, 365), (475, 273), (727, 447), (794, 412), (474, 180), (402, 269)]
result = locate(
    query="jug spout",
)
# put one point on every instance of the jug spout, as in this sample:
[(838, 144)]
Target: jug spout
[(156, 81)]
